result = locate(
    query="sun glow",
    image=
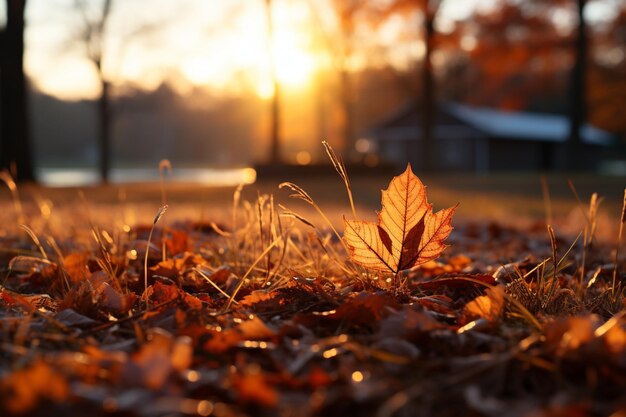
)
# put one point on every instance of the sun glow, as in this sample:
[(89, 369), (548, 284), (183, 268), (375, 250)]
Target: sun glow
[(231, 57), (294, 66), (294, 69)]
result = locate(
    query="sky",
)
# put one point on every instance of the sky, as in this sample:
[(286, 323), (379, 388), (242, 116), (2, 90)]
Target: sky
[(218, 44)]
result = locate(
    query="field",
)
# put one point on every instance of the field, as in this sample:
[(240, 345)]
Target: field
[(235, 303)]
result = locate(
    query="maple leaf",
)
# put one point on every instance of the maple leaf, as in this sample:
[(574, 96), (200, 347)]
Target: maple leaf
[(407, 234)]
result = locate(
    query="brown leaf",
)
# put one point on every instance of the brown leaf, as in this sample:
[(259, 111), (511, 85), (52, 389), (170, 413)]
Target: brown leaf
[(488, 306), (112, 301), (407, 234), (254, 388), (26, 388), (365, 309), (407, 324), (568, 334), (177, 242), (253, 329), (71, 318), (158, 359), (160, 293), (75, 265)]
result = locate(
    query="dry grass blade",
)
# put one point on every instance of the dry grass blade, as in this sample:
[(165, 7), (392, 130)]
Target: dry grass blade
[(292, 214), (213, 284), (555, 265), (594, 205), (35, 240), (219, 231), (299, 193), (158, 216), (340, 167), (95, 232), (236, 199), (6, 177), (570, 183), (619, 241), (165, 168), (547, 201), (250, 269)]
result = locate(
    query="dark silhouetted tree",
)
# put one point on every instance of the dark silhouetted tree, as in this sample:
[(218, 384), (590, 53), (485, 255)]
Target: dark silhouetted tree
[(427, 101), (578, 107), (607, 79), (275, 112), (15, 138), (93, 35), (340, 43), (346, 12)]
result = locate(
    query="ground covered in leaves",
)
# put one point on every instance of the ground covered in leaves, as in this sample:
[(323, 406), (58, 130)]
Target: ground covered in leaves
[(267, 315)]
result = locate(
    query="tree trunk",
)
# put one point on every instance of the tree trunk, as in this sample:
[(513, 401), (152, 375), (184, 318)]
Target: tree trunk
[(104, 130), (577, 91), (14, 134), (275, 106), (347, 126), (275, 125), (428, 103)]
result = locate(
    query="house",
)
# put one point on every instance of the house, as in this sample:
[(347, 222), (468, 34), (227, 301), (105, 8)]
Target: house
[(484, 139)]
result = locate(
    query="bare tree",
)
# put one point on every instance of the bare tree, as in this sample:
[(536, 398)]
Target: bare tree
[(93, 33), (275, 106), (578, 87), (429, 10), (14, 133), (340, 44), (427, 102), (346, 12)]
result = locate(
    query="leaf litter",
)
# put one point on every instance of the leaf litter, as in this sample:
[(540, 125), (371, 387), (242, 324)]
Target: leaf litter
[(274, 315)]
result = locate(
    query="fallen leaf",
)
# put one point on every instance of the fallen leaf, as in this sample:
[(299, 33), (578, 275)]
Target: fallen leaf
[(252, 329), (568, 334), (318, 377), (177, 242), (365, 309), (488, 306), (162, 293), (615, 340), (71, 318), (407, 324), (254, 388), (408, 233), (75, 265), (158, 359), (109, 299), (26, 388)]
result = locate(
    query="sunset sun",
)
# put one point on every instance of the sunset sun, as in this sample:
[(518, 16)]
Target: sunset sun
[(294, 68)]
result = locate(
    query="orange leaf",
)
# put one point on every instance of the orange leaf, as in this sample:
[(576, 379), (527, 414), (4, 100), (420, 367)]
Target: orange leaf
[(25, 389), (488, 306), (254, 388), (407, 234)]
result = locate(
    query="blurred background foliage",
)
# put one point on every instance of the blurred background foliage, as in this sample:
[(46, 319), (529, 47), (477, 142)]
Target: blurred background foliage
[(112, 83)]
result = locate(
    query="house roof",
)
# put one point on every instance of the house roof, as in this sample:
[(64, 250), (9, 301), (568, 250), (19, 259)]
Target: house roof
[(454, 120), (525, 126), (404, 124)]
